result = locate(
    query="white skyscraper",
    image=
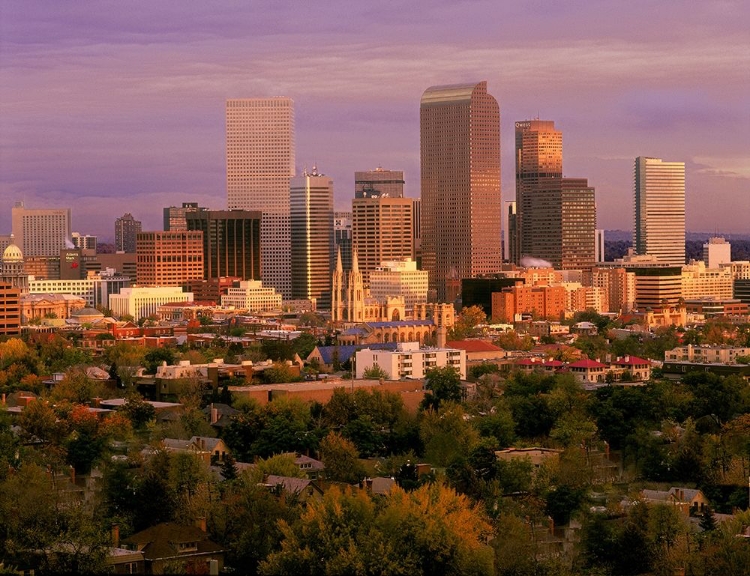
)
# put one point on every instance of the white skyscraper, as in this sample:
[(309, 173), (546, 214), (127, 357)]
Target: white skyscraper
[(260, 165), (660, 209)]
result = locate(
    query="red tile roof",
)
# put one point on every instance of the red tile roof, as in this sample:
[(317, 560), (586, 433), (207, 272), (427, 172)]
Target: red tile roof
[(587, 363), (473, 345)]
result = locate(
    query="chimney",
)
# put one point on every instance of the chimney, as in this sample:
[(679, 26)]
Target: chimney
[(214, 414), (3, 398), (200, 522), (72, 475), (115, 535)]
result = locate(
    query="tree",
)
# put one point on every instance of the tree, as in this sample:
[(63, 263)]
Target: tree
[(278, 465), (341, 459), (466, 325), (138, 411), (446, 434), (279, 372), (442, 384), (374, 372)]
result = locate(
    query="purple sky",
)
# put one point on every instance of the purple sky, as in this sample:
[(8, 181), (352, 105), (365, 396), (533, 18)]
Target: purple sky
[(112, 106)]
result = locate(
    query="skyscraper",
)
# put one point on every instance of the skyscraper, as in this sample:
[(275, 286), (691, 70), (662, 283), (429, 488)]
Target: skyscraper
[(660, 209), (260, 164), (461, 198), (175, 217), (382, 219), (311, 200), (41, 231), (169, 258), (379, 183), (231, 242), (538, 155), (560, 223), (126, 230)]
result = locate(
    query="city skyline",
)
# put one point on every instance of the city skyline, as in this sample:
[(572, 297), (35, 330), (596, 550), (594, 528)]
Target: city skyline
[(108, 109)]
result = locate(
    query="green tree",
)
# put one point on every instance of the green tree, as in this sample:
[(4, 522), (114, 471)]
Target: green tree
[(446, 434), (375, 372), (467, 323), (442, 385), (341, 459)]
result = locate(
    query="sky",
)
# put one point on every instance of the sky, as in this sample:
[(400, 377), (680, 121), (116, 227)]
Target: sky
[(118, 106)]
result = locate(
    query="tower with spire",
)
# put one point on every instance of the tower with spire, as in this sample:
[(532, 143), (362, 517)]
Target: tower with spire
[(348, 296)]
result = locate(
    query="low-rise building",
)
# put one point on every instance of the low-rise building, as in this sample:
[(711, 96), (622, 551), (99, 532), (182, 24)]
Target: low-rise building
[(706, 354), (409, 360), (252, 296), (141, 302)]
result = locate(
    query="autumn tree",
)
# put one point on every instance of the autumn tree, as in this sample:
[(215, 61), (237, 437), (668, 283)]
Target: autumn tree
[(341, 459), (467, 323)]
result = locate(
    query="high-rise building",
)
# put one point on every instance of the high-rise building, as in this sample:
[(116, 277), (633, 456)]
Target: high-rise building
[(510, 234), (231, 242), (311, 208), (168, 258), (379, 183), (660, 210), (41, 231), (342, 237), (260, 164), (175, 217), (382, 230), (560, 227), (399, 278), (10, 309), (460, 172), (538, 156), (85, 242), (126, 230), (717, 251)]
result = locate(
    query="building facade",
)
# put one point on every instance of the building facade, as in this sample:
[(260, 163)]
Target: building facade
[(538, 156), (10, 309), (379, 183), (399, 278), (175, 217), (460, 183), (252, 296), (95, 290), (311, 200), (410, 360), (717, 251), (660, 209), (41, 231), (142, 302), (260, 165), (231, 242), (168, 258), (381, 230), (342, 237), (126, 231)]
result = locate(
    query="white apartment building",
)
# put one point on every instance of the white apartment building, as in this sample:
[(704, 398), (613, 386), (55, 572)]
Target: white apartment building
[(252, 296), (141, 301), (399, 278), (699, 281), (410, 361), (260, 165), (706, 354)]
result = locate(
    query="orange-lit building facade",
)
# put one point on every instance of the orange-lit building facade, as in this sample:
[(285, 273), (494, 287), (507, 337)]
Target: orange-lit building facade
[(460, 183), (169, 258), (544, 302), (10, 309)]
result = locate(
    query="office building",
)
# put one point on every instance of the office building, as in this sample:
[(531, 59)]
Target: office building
[(379, 183), (175, 217), (660, 210), (538, 302), (168, 258), (717, 251), (382, 230), (95, 289), (342, 237), (84, 242), (460, 173), (538, 156), (311, 208), (700, 281), (657, 287), (417, 230), (559, 223), (41, 231), (399, 278), (599, 245), (260, 165), (126, 230), (231, 242), (252, 296), (142, 302), (617, 283), (10, 310), (511, 236)]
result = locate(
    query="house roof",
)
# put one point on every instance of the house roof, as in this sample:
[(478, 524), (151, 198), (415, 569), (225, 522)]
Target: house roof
[(289, 483), (161, 541), (314, 464), (631, 361), (473, 346), (587, 363), (205, 442), (346, 352)]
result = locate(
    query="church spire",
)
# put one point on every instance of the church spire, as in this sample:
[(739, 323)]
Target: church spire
[(339, 265)]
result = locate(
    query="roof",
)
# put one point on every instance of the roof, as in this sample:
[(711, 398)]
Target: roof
[(586, 363), (312, 463), (289, 483), (160, 541), (473, 346), (346, 352), (205, 442), (450, 93), (631, 361)]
